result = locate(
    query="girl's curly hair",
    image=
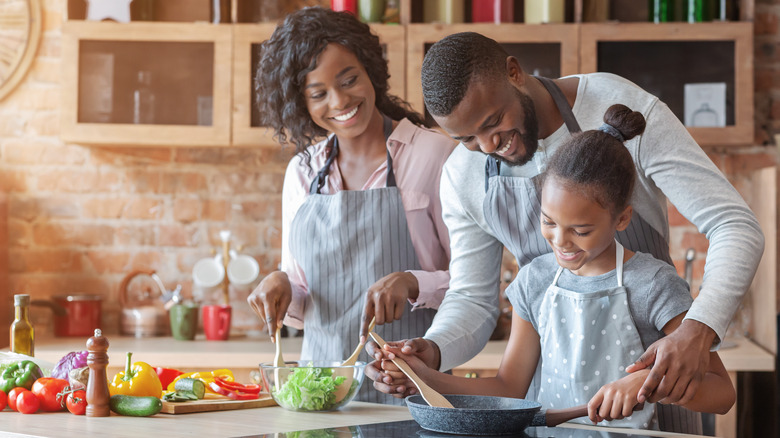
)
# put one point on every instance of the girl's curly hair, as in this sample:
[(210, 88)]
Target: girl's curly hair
[(292, 52)]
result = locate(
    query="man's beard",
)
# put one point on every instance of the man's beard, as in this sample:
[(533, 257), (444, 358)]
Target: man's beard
[(530, 137)]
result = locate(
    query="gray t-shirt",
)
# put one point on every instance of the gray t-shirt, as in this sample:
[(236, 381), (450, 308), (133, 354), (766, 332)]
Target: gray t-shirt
[(656, 294)]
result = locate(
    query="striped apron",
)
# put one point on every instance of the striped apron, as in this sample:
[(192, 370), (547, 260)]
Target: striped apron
[(512, 209), (344, 243)]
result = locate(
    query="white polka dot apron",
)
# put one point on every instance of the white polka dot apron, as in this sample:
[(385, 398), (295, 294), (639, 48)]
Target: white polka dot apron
[(344, 243), (587, 341)]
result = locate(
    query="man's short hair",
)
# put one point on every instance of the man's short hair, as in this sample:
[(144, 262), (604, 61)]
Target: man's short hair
[(452, 63)]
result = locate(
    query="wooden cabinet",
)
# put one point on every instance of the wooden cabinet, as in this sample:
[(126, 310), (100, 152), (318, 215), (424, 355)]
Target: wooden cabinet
[(663, 58), (247, 129), (146, 83), (549, 50)]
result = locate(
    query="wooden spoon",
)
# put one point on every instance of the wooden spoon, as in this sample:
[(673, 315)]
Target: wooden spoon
[(346, 385), (278, 360), (428, 394), (351, 360)]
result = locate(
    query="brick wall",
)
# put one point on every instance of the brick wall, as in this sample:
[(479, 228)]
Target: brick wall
[(81, 218)]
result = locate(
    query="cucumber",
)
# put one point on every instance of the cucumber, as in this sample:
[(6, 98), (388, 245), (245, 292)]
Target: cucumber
[(135, 406), (193, 386)]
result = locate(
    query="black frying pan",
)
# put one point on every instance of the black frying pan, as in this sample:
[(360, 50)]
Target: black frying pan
[(486, 415)]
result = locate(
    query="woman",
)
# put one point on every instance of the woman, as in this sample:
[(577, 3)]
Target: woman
[(362, 232)]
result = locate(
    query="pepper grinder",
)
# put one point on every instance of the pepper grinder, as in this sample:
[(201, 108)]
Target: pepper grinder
[(97, 386)]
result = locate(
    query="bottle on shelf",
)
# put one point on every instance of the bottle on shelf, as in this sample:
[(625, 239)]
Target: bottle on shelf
[(142, 10), (371, 11), (700, 11), (22, 333), (392, 12), (594, 11), (544, 11), (660, 11), (220, 11), (492, 11), (345, 5), (143, 99), (444, 11)]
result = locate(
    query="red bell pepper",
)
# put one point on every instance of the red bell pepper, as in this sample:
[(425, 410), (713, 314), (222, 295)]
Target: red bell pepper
[(167, 375), (235, 386), (235, 395)]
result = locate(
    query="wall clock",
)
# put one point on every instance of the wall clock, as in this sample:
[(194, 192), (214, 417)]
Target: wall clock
[(20, 33)]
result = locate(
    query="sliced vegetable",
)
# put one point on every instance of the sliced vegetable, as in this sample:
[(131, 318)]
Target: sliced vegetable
[(205, 376), (71, 361), (235, 386), (235, 395), (193, 386), (167, 375), (135, 406), (179, 396), (20, 374), (138, 379)]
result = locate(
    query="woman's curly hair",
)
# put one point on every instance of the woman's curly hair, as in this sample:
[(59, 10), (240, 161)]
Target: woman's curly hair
[(292, 52)]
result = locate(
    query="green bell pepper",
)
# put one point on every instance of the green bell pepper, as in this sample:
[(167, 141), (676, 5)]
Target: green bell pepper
[(20, 374)]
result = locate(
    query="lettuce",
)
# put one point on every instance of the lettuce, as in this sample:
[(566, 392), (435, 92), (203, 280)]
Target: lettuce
[(309, 389)]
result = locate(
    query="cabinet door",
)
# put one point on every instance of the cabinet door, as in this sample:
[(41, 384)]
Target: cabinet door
[(547, 50), (702, 63), (247, 128), (146, 83)]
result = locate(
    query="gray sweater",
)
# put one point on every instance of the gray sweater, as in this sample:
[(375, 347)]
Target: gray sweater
[(670, 165)]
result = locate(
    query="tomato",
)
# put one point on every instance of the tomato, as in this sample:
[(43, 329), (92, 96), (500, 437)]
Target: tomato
[(77, 402), (27, 402), (12, 395), (3, 400), (47, 389)]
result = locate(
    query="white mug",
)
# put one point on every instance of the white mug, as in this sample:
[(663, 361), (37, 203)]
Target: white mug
[(208, 272), (242, 270)]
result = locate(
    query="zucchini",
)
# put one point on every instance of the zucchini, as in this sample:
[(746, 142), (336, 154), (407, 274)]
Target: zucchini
[(192, 386), (135, 406)]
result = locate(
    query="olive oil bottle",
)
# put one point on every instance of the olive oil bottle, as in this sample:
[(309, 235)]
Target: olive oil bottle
[(22, 336)]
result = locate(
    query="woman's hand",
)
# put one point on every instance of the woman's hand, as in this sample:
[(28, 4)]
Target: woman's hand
[(387, 298), (270, 300), (617, 400)]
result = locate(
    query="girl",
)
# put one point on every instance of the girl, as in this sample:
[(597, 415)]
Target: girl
[(589, 308), (362, 233)]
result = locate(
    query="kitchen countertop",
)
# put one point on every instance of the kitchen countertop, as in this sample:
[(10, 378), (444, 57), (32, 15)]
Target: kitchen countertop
[(248, 353), (248, 422)]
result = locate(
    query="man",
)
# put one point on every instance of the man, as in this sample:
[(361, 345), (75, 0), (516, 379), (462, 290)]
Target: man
[(508, 123)]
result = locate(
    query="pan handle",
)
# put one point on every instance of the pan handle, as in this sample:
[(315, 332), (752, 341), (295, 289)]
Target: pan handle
[(554, 417)]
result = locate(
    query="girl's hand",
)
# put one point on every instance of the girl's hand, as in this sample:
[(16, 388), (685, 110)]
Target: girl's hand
[(270, 300), (617, 400)]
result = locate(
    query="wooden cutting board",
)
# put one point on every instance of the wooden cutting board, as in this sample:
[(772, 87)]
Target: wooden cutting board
[(216, 405)]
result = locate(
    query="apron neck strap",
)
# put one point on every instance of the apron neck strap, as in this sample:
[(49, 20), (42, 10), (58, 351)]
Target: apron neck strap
[(493, 166), (619, 252), (333, 144)]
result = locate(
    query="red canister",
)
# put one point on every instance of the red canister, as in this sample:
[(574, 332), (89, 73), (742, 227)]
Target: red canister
[(492, 11), (81, 316)]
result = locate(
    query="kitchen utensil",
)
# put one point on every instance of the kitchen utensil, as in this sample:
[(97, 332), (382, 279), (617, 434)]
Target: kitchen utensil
[(278, 360), (311, 383), (428, 394), (207, 405), (208, 272), (487, 415), (184, 321), (216, 322), (242, 269), (353, 358), (141, 295), (74, 315)]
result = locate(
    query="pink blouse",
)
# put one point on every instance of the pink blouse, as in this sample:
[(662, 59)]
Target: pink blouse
[(418, 156)]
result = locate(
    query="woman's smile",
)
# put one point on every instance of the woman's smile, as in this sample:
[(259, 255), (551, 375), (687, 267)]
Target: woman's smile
[(347, 115)]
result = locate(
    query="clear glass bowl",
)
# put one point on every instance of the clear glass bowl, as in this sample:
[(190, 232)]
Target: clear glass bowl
[(313, 386)]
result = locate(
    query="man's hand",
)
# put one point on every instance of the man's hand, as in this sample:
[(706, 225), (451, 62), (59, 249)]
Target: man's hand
[(387, 298), (679, 362), (387, 377)]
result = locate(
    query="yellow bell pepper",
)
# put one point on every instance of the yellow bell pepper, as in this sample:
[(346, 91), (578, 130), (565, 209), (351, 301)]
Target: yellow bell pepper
[(204, 376), (138, 379)]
